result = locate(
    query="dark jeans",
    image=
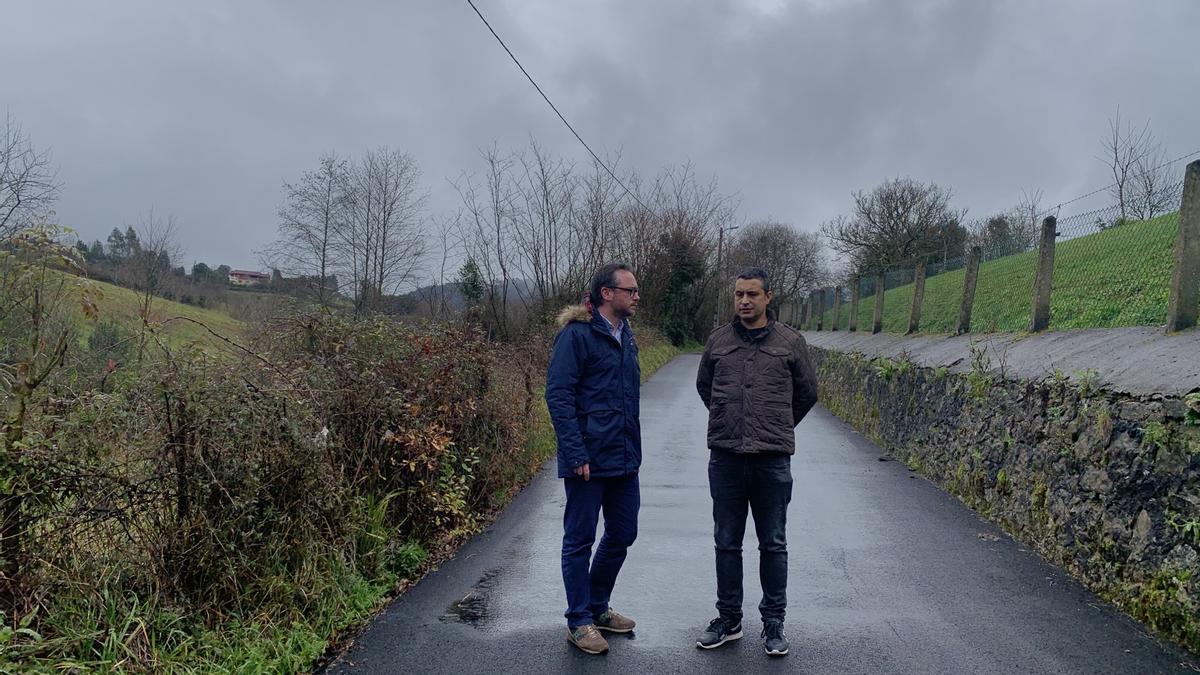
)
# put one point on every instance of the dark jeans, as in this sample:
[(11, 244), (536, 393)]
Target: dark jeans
[(589, 581), (762, 484)]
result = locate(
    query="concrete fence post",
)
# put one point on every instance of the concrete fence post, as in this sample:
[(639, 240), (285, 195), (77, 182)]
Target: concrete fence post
[(1185, 280), (877, 322), (804, 309), (837, 307), (968, 294), (855, 290), (813, 310), (822, 303), (1045, 272), (914, 313)]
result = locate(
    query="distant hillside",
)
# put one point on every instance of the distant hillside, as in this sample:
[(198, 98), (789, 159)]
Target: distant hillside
[(517, 289), (122, 306)]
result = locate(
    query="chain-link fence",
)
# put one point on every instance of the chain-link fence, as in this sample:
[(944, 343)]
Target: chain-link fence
[(1112, 266)]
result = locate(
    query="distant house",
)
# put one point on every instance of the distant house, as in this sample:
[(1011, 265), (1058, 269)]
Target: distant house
[(247, 278)]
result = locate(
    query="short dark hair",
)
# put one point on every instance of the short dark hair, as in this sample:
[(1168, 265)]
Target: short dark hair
[(757, 273), (605, 277)]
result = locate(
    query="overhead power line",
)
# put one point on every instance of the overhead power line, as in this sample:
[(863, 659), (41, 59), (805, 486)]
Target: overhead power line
[(554, 108)]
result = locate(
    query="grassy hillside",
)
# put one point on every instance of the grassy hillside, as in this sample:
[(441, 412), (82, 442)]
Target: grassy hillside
[(1116, 277), (122, 306)]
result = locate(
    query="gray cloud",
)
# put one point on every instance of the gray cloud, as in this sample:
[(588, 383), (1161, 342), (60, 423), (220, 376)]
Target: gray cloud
[(202, 111)]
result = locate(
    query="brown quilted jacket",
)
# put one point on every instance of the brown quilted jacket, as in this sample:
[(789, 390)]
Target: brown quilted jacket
[(756, 390)]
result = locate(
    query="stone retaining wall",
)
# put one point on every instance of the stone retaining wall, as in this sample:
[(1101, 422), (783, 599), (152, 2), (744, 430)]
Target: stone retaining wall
[(1103, 484)]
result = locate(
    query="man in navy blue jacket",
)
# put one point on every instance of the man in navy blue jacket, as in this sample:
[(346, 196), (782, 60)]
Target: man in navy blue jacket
[(592, 391)]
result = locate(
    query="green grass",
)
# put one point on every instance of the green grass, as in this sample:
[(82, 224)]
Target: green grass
[(121, 633), (655, 356), (1116, 277), (123, 306)]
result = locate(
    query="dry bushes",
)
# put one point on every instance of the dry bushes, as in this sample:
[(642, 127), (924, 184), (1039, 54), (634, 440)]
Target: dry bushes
[(215, 490)]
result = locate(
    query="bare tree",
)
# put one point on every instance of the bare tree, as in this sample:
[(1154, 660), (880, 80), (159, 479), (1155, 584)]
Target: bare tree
[(1003, 234), (434, 298), (1028, 213), (147, 267), (896, 222), (607, 223), (1124, 149), (679, 277), (28, 183), (384, 238), (1012, 231), (316, 209), (535, 230), (1152, 192), (544, 235), (791, 258), (486, 231)]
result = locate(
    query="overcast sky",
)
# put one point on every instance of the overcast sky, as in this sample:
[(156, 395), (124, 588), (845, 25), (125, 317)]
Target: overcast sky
[(201, 110)]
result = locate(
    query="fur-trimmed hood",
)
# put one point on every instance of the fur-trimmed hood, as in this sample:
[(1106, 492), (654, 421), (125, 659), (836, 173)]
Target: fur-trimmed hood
[(574, 313)]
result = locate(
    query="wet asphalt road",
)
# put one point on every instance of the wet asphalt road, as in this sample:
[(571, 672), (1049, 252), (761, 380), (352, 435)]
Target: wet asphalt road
[(887, 575)]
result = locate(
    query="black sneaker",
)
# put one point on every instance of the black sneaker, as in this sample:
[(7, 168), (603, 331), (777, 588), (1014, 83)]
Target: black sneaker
[(719, 632), (774, 642)]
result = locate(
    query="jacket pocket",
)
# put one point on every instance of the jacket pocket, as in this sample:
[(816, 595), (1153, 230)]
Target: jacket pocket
[(603, 434), (774, 376), (724, 422), (725, 363)]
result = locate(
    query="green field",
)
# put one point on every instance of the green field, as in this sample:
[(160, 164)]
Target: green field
[(1116, 277), (123, 307)]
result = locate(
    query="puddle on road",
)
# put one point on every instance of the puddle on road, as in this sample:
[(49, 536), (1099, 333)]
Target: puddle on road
[(473, 608)]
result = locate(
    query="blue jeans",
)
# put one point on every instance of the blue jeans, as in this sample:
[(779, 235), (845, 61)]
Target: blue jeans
[(589, 581), (761, 484)]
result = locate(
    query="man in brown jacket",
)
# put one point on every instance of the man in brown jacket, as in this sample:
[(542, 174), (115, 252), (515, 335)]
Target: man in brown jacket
[(757, 382)]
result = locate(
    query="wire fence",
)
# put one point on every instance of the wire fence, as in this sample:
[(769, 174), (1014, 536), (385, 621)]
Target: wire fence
[(1112, 266)]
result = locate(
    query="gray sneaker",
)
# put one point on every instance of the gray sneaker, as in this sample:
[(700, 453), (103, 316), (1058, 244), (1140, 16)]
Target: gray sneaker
[(719, 632)]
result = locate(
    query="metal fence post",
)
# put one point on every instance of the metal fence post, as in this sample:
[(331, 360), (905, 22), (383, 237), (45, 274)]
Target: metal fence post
[(968, 294), (1185, 280), (914, 313), (1045, 272)]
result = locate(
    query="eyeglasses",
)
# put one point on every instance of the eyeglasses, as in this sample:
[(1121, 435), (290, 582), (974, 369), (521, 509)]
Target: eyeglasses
[(631, 291)]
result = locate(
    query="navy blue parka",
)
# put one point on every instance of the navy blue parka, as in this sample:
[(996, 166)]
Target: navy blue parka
[(593, 389)]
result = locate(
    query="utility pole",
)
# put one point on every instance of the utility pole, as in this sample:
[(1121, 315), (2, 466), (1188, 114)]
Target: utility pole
[(720, 275)]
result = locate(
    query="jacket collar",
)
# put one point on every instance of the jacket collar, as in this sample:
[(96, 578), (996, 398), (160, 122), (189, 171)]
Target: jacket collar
[(744, 334), (601, 324)]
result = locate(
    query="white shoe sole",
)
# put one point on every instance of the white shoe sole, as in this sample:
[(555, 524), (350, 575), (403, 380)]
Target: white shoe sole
[(727, 638), (771, 653), (604, 629)]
